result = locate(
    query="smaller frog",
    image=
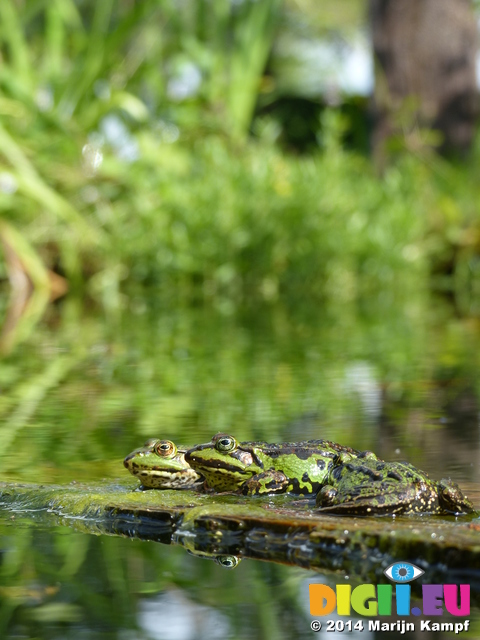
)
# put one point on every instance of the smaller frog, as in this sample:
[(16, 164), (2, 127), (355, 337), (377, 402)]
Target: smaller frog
[(365, 485), (159, 464), (256, 468)]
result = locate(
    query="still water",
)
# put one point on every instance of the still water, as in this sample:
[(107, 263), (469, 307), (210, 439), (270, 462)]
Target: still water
[(86, 387)]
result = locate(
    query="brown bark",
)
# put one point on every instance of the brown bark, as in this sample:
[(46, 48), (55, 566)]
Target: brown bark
[(425, 54)]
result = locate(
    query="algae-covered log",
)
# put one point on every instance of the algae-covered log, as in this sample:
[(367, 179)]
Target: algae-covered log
[(279, 529)]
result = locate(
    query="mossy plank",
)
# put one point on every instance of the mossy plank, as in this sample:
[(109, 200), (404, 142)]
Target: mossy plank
[(280, 529)]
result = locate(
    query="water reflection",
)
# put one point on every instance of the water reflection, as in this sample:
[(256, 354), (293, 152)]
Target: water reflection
[(86, 586), (84, 390), (186, 619), (61, 584)]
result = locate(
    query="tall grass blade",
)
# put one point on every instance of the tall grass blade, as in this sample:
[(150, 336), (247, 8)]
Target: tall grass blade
[(12, 33), (253, 42), (32, 185), (88, 67)]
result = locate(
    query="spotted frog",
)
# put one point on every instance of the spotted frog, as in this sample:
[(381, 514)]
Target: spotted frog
[(365, 485), (159, 464), (254, 468)]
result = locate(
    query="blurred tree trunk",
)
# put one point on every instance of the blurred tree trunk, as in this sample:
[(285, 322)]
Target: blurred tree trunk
[(425, 54)]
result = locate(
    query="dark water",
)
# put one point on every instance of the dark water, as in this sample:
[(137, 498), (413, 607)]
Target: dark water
[(84, 388)]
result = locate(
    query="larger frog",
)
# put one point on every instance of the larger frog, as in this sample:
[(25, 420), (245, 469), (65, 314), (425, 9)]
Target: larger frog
[(159, 464), (254, 468), (365, 485)]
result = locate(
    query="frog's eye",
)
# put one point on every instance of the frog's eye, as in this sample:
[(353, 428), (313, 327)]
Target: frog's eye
[(225, 444), (165, 449), (227, 562)]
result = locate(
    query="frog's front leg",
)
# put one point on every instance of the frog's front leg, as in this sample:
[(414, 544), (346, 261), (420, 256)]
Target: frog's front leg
[(270, 481), (326, 496)]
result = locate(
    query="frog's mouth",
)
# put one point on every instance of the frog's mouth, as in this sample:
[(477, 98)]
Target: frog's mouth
[(219, 465), (137, 468), (126, 462)]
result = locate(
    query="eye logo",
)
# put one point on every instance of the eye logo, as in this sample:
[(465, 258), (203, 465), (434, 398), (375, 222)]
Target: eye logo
[(403, 572)]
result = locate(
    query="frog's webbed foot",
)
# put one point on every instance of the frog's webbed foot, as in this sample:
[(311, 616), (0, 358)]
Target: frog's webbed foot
[(267, 482), (452, 499)]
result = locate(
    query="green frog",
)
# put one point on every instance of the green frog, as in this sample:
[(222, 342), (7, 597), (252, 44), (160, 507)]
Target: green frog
[(365, 485), (255, 468), (159, 464)]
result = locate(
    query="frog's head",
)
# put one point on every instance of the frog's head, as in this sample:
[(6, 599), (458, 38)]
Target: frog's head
[(160, 465), (452, 499), (224, 463)]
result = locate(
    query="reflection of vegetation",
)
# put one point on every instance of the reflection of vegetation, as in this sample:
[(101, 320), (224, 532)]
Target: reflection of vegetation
[(32, 287), (182, 376), (62, 584), (87, 391)]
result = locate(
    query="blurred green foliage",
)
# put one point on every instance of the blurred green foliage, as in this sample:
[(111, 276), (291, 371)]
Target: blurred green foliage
[(125, 158), (235, 286)]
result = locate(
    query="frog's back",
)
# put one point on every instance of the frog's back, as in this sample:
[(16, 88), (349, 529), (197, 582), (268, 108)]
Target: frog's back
[(304, 464), (302, 448)]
